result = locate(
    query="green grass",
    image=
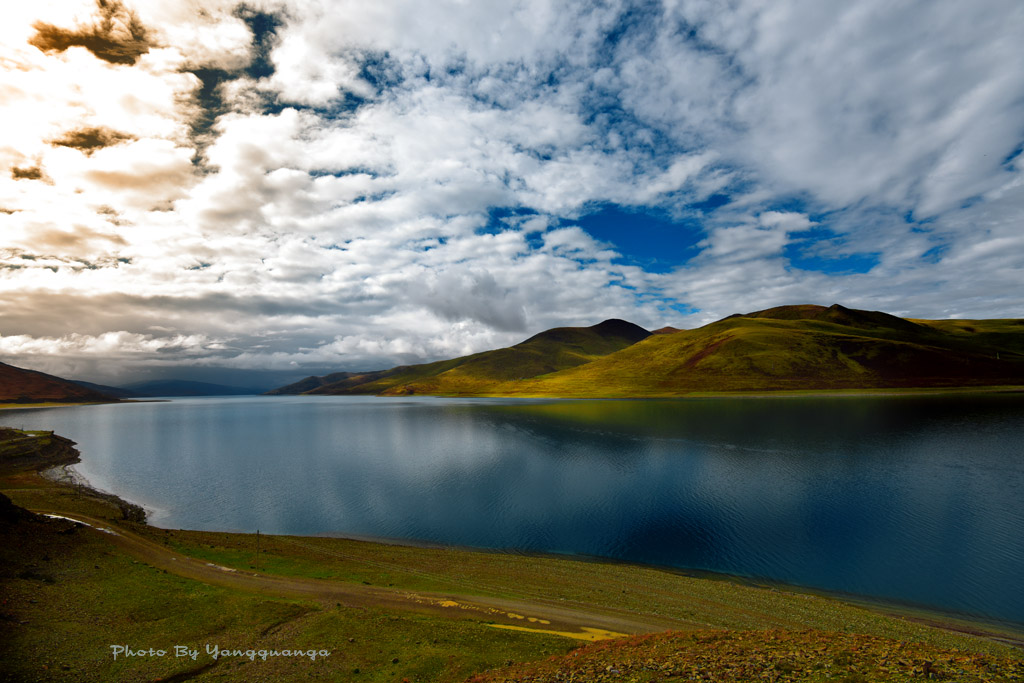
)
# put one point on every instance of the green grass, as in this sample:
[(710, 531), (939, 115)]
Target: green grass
[(67, 598), (702, 601), (77, 595)]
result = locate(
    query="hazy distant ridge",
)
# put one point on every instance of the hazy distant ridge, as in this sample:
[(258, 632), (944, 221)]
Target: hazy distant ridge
[(178, 387)]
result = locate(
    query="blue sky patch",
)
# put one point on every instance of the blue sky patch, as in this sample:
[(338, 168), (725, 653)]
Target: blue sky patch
[(971, 201), (644, 238), (685, 309), (1017, 151), (380, 71), (935, 254), (839, 265), (803, 252), (711, 203), (502, 218), (264, 30)]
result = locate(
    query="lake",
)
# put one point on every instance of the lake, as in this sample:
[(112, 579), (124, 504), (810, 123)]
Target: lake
[(914, 499)]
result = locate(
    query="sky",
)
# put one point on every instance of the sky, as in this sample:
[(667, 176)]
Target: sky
[(260, 191)]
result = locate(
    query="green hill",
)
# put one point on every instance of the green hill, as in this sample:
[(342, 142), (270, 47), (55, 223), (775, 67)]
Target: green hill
[(803, 347), (788, 348), (547, 352), (800, 348)]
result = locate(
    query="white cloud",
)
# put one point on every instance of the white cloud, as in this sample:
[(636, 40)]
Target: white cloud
[(340, 213), (118, 344)]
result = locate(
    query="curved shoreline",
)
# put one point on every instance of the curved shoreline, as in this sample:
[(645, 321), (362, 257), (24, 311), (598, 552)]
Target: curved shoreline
[(923, 613), (869, 392), (57, 468), (48, 454), (66, 475)]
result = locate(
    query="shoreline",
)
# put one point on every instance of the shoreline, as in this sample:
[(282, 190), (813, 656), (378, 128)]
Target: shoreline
[(947, 619), (868, 392), (882, 392), (943, 618), (10, 405), (71, 404), (1009, 632), (50, 456), (936, 616), (65, 475)]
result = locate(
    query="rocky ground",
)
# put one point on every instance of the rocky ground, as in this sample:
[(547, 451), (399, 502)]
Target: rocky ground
[(761, 656)]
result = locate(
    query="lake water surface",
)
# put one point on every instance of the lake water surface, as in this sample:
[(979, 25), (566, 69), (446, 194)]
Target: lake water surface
[(917, 499)]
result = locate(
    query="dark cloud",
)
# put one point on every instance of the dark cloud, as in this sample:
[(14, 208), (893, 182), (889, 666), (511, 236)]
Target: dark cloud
[(58, 313), (116, 36), (88, 140), (76, 239), (153, 185), (28, 173)]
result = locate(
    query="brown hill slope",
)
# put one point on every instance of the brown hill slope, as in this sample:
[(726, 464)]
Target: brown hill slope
[(18, 385)]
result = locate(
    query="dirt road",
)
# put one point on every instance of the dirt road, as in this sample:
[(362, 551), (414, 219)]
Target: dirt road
[(537, 615)]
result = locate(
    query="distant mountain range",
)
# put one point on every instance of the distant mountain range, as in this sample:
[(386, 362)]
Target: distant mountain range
[(115, 392), (784, 348), (18, 385), (180, 387), (170, 387)]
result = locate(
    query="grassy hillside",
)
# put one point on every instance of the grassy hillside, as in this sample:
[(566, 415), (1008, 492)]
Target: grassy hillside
[(787, 348), (799, 348), (18, 385), (1005, 336), (547, 352)]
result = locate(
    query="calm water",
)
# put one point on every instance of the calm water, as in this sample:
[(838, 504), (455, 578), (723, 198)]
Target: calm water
[(915, 499)]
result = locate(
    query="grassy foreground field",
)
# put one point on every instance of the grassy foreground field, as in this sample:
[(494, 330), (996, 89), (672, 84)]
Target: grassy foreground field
[(70, 592)]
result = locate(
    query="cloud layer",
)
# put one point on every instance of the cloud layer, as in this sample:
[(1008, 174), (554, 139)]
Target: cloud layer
[(311, 186)]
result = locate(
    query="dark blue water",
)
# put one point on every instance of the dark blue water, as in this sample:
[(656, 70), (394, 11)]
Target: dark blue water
[(918, 499)]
